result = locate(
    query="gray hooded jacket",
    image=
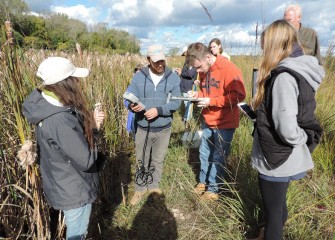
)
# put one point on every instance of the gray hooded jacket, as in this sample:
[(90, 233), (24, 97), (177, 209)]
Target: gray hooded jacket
[(69, 175), (158, 96), (284, 114)]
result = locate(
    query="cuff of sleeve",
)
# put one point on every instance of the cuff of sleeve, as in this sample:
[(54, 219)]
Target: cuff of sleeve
[(95, 135), (95, 131), (160, 110)]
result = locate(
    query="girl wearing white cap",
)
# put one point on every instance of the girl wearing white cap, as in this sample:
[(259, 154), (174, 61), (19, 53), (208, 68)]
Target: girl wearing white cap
[(66, 133)]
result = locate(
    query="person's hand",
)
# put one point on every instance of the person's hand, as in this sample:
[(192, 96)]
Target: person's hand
[(196, 82), (177, 70), (192, 94), (151, 113), (99, 117), (136, 107), (204, 102)]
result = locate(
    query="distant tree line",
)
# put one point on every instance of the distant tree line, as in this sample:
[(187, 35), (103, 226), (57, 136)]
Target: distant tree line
[(59, 32)]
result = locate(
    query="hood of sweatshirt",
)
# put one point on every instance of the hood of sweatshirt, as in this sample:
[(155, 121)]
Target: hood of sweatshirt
[(220, 63), (36, 108), (308, 67)]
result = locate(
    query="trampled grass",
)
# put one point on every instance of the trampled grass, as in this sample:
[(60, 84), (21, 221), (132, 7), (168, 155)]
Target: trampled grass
[(24, 213)]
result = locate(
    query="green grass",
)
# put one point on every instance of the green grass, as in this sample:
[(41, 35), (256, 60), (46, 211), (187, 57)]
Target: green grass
[(181, 214)]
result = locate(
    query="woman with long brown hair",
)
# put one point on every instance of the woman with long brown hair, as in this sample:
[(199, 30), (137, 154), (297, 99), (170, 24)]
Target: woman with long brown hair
[(215, 47), (286, 129), (66, 133)]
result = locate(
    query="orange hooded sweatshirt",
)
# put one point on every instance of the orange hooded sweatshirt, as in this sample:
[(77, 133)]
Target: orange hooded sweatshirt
[(223, 84)]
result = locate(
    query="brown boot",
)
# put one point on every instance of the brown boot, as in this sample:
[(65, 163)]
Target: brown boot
[(155, 190), (200, 188), (209, 196), (260, 237), (137, 197)]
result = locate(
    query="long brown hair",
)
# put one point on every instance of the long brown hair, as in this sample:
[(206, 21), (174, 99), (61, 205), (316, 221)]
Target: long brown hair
[(70, 94), (218, 42), (278, 40)]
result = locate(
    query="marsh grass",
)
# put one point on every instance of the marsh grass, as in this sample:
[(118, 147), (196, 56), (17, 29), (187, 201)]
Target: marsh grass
[(24, 213)]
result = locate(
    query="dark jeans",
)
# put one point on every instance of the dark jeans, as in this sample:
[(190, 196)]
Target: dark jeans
[(274, 201)]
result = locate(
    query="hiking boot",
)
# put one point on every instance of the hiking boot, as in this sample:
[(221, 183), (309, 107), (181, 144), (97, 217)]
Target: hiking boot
[(209, 196), (261, 235), (137, 197), (156, 194), (155, 190), (200, 188)]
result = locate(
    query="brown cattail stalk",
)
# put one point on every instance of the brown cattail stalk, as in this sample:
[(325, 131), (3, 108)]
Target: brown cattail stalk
[(9, 32)]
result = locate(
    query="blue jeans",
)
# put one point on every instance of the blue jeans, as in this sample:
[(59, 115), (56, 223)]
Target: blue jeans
[(76, 221), (214, 148)]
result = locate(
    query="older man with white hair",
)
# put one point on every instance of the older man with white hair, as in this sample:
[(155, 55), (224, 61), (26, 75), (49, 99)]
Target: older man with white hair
[(307, 36)]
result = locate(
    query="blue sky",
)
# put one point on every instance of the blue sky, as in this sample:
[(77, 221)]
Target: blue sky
[(176, 23)]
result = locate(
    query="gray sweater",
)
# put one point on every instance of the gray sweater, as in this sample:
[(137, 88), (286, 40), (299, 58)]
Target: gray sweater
[(284, 114)]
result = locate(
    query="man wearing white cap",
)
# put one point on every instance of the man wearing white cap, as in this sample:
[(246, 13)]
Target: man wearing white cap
[(153, 86)]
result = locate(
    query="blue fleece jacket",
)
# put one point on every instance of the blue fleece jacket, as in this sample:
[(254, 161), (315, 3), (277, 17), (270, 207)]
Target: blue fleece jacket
[(157, 97)]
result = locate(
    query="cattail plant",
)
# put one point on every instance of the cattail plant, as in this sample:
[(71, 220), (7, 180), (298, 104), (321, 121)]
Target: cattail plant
[(23, 206)]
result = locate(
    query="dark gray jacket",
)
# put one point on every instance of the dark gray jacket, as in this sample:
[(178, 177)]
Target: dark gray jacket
[(187, 77), (67, 163)]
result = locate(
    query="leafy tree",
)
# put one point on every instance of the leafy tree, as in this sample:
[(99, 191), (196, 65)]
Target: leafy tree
[(174, 51), (12, 10), (58, 31)]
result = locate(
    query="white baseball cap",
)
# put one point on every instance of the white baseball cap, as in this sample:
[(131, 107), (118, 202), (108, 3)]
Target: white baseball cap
[(184, 51), (156, 53), (55, 69)]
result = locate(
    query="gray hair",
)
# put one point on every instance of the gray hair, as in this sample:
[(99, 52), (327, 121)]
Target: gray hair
[(295, 8)]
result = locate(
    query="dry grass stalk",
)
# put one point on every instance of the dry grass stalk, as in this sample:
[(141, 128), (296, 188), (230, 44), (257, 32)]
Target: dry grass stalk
[(9, 32)]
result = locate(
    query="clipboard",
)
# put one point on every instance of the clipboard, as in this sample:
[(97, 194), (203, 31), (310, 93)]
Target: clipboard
[(186, 99)]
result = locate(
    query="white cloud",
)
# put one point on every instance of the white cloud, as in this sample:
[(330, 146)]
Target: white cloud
[(180, 22), (80, 12)]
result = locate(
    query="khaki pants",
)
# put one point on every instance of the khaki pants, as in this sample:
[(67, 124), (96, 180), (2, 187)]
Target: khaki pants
[(153, 148)]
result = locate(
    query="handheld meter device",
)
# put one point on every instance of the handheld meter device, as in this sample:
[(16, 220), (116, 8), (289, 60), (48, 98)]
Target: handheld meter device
[(132, 98)]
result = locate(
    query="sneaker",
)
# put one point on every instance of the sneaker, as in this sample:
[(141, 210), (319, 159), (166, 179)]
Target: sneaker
[(210, 196), (155, 190), (137, 197), (200, 188)]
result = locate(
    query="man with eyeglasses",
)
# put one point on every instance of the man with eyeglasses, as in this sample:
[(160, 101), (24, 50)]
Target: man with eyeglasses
[(221, 89)]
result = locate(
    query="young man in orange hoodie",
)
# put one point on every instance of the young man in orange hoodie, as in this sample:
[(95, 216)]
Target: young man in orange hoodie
[(221, 88)]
